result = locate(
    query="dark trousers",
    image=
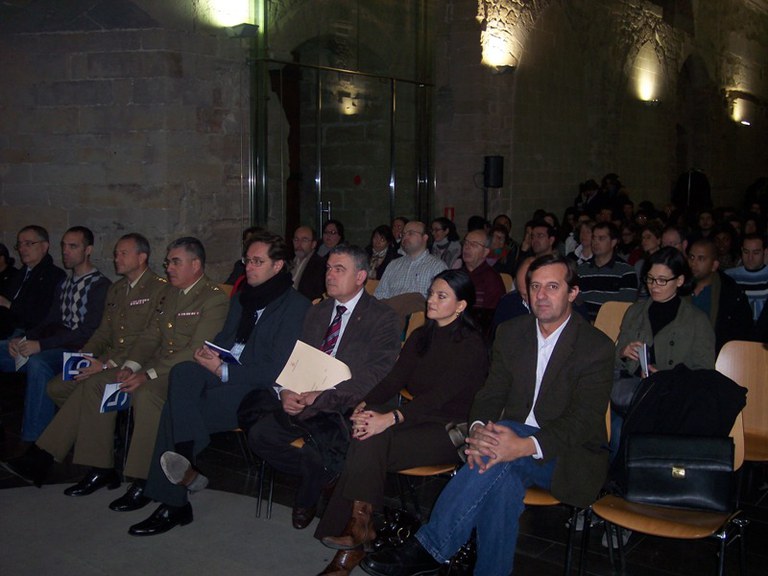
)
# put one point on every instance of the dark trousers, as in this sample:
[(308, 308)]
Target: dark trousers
[(368, 462), (198, 405)]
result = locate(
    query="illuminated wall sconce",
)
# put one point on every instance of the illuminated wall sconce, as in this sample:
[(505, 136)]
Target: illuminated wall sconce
[(742, 106), (349, 104), (647, 77), (243, 30), (224, 13)]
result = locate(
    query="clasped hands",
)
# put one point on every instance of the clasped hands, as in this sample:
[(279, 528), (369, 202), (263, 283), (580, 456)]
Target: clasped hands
[(367, 423), (491, 444), (294, 403), (18, 346)]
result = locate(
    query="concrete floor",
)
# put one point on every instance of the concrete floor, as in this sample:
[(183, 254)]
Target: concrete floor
[(541, 545)]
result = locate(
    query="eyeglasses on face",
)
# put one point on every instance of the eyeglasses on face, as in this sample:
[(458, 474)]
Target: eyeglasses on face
[(650, 280), (258, 262)]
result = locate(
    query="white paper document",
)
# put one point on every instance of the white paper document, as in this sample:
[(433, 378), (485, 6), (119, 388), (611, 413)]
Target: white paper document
[(309, 370), (643, 353)]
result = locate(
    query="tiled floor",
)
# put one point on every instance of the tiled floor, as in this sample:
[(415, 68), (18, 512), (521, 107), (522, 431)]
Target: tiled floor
[(541, 546)]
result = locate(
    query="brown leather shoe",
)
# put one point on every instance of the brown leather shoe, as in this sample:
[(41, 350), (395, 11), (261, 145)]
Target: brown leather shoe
[(359, 530), (302, 517), (343, 563)]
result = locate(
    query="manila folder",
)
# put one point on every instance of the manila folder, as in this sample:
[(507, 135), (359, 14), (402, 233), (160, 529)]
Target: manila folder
[(309, 369)]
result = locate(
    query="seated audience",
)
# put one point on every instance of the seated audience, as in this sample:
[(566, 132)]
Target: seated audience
[(752, 275), (514, 303), (718, 296), (445, 241), (307, 267), (674, 237), (398, 225), (539, 420), (727, 244), (381, 251), (238, 269), (503, 255), (29, 295), (489, 287), (261, 329), (353, 327), (414, 271), (333, 235), (8, 272), (583, 250), (606, 277), (72, 317), (442, 365)]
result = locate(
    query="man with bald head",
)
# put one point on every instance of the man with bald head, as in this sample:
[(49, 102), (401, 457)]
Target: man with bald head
[(307, 267)]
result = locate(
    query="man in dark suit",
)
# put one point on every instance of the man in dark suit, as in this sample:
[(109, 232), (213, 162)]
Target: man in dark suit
[(361, 332), (307, 267), (550, 380), (264, 321)]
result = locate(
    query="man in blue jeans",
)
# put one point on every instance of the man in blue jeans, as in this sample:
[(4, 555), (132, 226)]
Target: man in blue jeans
[(550, 381)]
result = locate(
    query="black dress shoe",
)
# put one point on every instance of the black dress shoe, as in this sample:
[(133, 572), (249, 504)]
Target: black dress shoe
[(411, 559), (162, 520), (95, 479), (32, 466), (133, 499), (302, 517)]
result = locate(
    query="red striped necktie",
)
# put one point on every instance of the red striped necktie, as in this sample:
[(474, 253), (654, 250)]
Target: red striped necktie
[(332, 334)]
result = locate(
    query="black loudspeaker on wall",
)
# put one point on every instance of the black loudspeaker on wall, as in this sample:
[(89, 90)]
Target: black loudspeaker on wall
[(493, 175)]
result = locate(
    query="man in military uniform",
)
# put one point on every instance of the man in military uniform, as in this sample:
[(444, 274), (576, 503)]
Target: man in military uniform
[(190, 310)]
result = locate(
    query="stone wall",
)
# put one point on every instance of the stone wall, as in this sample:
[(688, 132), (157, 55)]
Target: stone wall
[(569, 108), (125, 130)]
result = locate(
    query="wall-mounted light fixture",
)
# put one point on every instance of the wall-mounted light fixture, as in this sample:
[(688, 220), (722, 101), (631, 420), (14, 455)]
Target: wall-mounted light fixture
[(743, 107), (224, 13), (647, 77), (243, 30)]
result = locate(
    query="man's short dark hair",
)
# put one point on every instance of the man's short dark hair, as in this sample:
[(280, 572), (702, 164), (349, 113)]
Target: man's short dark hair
[(571, 277), (189, 244), (86, 232), (142, 244), (358, 255), (613, 231), (551, 231), (41, 232), (753, 236), (707, 243), (278, 249)]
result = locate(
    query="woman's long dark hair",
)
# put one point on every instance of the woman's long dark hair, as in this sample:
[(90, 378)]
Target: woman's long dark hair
[(462, 287)]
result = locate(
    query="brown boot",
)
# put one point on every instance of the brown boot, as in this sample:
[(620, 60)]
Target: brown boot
[(359, 530), (343, 563)]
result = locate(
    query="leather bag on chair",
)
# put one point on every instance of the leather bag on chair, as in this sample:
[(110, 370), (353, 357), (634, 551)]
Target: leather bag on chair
[(680, 471)]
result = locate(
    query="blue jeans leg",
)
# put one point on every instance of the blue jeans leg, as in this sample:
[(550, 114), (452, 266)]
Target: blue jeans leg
[(38, 407), (7, 363), (491, 502)]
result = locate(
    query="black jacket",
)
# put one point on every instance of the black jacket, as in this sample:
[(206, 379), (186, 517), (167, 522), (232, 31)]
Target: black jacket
[(30, 307)]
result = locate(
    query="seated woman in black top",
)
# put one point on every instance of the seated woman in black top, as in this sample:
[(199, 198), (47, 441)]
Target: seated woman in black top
[(442, 365)]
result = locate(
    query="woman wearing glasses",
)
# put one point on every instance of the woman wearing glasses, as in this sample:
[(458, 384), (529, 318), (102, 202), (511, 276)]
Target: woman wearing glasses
[(673, 329)]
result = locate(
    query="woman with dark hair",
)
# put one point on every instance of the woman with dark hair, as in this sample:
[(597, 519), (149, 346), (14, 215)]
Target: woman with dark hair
[(381, 251), (333, 235), (445, 241), (674, 330), (442, 365)]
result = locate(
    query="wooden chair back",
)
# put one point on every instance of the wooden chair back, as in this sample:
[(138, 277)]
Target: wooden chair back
[(609, 318), (746, 363), (370, 286), (508, 281)]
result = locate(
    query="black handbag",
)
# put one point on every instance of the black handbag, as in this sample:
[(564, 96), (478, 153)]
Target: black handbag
[(680, 471), (623, 392)]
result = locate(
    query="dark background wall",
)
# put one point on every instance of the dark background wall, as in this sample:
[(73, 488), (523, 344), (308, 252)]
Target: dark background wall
[(134, 115)]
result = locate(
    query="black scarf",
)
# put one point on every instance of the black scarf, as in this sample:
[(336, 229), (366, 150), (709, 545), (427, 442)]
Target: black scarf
[(253, 298)]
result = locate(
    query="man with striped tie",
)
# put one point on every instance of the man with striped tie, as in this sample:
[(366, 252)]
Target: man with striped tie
[(361, 332)]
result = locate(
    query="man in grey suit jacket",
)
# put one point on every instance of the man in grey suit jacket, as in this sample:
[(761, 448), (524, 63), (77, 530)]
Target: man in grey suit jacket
[(539, 420), (264, 320), (367, 340)]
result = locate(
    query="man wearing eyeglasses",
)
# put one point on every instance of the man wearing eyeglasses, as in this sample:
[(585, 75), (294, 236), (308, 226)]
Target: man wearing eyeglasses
[(489, 287), (190, 310), (307, 267), (414, 272), (72, 317), (27, 298), (265, 319)]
